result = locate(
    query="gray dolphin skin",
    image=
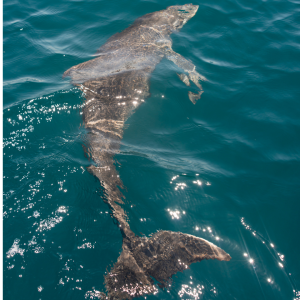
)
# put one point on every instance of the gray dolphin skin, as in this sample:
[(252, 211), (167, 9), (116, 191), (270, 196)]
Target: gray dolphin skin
[(115, 84)]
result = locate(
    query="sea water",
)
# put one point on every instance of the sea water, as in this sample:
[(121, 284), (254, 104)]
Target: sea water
[(226, 169)]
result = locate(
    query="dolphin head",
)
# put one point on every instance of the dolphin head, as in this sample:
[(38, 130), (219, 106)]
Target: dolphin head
[(172, 18), (180, 14)]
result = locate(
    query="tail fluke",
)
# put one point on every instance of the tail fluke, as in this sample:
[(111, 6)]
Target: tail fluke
[(158, 257)]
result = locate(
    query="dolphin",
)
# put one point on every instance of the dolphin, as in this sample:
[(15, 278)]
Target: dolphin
[(115, 84)]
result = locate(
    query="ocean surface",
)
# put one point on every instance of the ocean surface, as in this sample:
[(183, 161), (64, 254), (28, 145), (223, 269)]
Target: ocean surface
[(226, 169)]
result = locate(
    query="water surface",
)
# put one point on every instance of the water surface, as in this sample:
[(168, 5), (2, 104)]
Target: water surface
[(225, 169)]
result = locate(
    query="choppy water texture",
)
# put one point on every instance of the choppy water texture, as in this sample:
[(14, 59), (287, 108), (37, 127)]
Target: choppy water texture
[(225, 169)]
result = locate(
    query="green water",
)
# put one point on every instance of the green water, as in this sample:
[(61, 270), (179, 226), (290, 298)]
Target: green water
[(235, 154)]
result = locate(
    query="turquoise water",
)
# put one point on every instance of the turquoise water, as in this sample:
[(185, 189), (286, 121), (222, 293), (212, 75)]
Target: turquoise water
[(225, 169)]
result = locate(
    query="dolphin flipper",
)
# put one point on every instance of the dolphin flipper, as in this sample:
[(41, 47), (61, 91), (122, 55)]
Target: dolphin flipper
[(158, 258), (184, 78), (187, 67), (194, 97)]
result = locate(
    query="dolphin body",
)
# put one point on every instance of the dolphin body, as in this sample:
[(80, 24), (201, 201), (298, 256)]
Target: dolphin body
[(115, 84)]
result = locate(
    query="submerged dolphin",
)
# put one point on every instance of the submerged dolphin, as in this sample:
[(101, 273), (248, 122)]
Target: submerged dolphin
[(115, 83)]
